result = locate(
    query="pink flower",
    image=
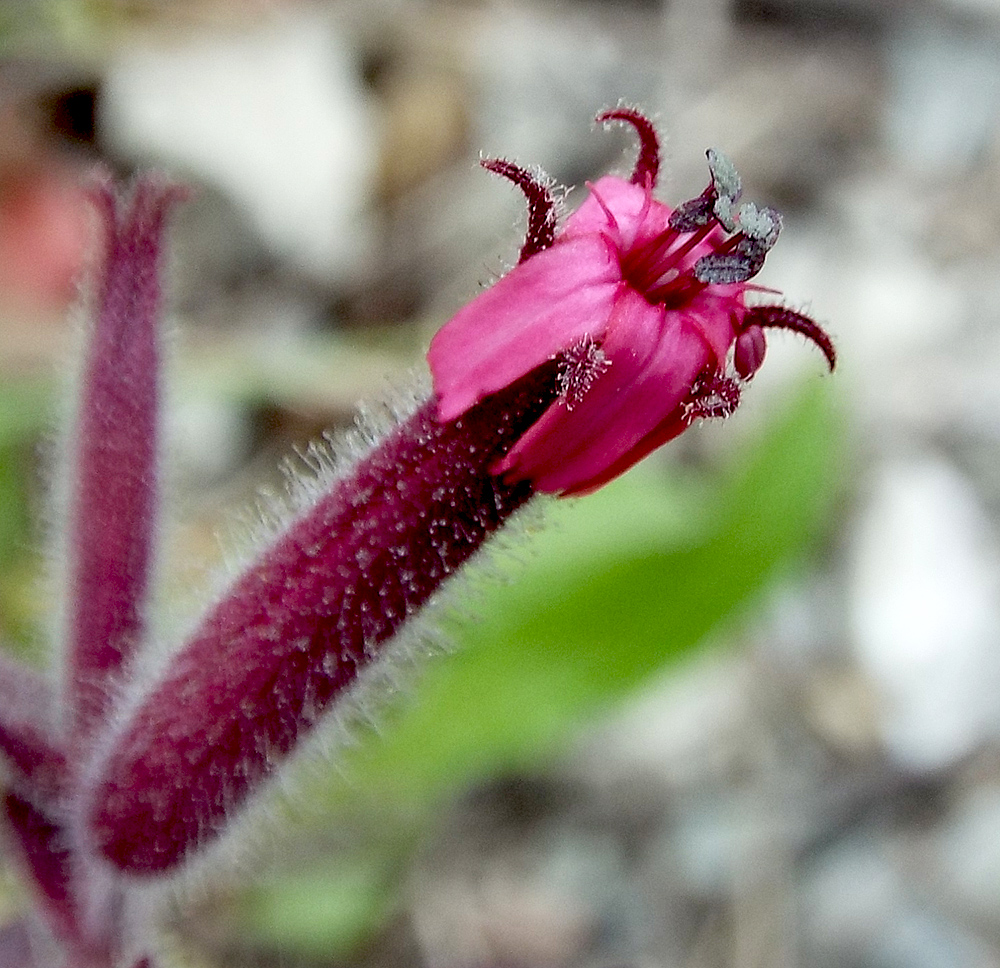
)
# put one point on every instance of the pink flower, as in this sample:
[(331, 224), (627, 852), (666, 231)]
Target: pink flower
[(643, 306), (611, 336)]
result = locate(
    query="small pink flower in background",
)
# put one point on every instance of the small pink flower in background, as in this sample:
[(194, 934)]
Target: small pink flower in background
[(642, 305), (43, 230), (610, 337)]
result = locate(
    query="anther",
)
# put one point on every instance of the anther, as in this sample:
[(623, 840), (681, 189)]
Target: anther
[(762, 225), (725, 268), (727, 185), (695, 214)]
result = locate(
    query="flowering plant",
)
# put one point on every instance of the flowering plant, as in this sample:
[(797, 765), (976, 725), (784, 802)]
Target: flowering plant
[(613, 334)]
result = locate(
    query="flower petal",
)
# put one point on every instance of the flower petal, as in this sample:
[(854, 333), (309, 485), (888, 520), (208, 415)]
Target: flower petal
[(672, 425), (537, 310), (629, 203), (717, 313), (655, 356), (622, 211)]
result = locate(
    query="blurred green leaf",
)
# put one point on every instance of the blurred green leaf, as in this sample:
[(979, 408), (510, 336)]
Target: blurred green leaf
[(25, 410), (320, 913), (25, 413), (14, 524)]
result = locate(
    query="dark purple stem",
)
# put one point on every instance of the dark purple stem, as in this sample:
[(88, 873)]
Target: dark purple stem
[(294, 632), (35, 764), (112, 515), (42, 849)]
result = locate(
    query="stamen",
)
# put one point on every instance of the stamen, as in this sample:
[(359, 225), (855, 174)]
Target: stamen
[(647, 164), (657, 267), (675, 291), (778, 317), (727, 185), (694, 239), (694, 214), (717, 202), (760, 224), (738, 259), (541, 231), (723, 269), (645, 265)]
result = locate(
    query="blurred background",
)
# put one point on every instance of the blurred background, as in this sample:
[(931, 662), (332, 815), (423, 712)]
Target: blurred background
[(741, 708)]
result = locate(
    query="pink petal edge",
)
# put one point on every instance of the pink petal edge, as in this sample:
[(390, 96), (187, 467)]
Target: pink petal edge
[(542, 306), (654, 358)]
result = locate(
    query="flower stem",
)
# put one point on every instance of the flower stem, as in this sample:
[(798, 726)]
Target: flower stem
[(294, 631)]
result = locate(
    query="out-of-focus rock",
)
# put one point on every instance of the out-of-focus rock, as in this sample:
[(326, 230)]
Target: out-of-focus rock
[(925, 611), (272, 114), (944, 83), (531, 873)]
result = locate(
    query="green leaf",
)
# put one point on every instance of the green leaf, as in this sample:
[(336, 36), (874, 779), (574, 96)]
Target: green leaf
[(25, 410), (25, 413), (318, 913)]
